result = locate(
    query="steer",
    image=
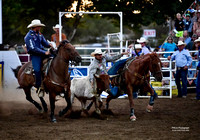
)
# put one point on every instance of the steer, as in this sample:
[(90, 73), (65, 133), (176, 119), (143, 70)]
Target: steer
[(82, 89)]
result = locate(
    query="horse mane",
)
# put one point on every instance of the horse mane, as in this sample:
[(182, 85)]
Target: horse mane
[(62, 43), (152, 55)]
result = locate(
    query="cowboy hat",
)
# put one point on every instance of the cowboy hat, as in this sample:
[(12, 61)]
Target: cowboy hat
[(57, 27), (181, 43), (197, 40), (35, 23), (97, 51), (138, 46), (141, 40)]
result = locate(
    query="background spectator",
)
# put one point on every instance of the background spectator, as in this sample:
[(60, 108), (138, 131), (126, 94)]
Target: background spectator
[(188, 24), (169, 46), (192, 74), (136, 50), (196, 26), (190, 45), (186, 37), (183, 61), (55, 37), (179, 25)]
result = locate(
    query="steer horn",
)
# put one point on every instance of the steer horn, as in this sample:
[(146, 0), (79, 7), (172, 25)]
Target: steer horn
[(96, 75), (112, 76)]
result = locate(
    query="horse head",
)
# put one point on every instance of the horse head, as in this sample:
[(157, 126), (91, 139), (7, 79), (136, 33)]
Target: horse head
[(155, 67), (68, 52)]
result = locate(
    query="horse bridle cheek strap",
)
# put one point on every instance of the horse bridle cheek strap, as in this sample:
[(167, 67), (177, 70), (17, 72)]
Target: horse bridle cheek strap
[(156, 72), (153, 73)]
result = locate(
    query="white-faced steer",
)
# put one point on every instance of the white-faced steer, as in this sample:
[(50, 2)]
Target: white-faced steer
[(82, 89)]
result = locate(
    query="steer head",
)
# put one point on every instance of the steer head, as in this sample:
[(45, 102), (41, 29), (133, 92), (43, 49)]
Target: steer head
[(103, 82)]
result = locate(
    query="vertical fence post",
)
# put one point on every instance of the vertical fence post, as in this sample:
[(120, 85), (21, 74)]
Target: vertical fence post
[(170, 86)]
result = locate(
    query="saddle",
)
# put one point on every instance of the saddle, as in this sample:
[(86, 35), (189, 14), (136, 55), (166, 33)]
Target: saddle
[(119, 81), (45, 67)]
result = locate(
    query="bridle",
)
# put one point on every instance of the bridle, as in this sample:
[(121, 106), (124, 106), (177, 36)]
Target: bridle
[(156, 72)]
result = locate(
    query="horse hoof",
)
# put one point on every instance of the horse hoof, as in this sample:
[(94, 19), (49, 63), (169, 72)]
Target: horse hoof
[(149, 108), (53, 119), (98, 111), (133, 118)]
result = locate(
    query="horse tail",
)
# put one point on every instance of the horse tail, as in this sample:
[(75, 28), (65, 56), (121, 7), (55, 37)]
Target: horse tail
[(15, 71)]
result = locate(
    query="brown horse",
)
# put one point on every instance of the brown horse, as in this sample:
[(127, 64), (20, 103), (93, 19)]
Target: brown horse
[(56, 81), (136, 76)]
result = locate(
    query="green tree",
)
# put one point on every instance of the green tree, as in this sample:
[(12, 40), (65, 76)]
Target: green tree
[(150, 10), (17, 14)]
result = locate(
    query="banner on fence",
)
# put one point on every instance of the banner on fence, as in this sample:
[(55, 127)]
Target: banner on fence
[(78, 72)]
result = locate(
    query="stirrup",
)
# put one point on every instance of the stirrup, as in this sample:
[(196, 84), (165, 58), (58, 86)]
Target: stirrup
[(40, 92)]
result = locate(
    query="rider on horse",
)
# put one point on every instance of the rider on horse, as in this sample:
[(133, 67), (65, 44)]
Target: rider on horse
[(35, 43), (139, 49), (98, 66), (121, 63)]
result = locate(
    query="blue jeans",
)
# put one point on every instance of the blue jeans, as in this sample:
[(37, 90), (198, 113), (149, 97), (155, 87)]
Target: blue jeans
[(113, 70), (198, 87), (37, 63), (181, 74)]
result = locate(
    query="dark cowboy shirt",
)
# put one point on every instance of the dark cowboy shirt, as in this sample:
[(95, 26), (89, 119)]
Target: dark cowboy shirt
[(179, 25), (35, 43)]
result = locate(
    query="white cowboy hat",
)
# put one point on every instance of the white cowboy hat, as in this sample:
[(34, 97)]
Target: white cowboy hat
[(138, 46), (197, 40), (181, 43), (57, 27), (35, 23), (97, 51), (141, 40)]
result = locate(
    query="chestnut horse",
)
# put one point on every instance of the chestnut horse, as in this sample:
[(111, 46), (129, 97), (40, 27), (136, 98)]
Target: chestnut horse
[(136, 76), (56, 81)]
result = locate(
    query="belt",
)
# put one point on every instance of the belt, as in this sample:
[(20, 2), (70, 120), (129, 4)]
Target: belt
[(179, 68)]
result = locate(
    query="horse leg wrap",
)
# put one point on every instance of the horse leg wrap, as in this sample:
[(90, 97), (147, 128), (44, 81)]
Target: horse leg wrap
[(150, 105), (151, 101), (53, 118)]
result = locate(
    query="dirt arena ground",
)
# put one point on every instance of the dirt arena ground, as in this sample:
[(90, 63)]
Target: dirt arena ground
[(175, 119)]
